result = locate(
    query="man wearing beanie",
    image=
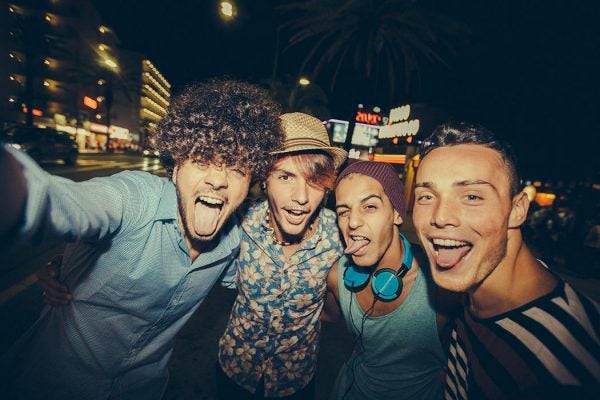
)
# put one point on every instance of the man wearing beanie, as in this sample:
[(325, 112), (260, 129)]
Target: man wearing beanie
[(387, 300)]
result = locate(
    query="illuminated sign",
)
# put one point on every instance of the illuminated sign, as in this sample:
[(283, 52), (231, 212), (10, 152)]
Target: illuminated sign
[(390, 158), (91, 103), (369, 118), (364, 134), (399, 124), (116, 132), (36, 112)]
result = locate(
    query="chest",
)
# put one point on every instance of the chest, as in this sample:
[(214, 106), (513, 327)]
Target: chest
[(367, 296)]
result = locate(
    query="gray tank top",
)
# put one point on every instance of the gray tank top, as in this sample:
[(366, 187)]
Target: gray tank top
[(399, 355)]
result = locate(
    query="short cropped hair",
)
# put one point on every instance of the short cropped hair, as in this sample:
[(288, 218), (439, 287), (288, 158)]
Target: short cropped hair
[(224, 122), (455, 133)]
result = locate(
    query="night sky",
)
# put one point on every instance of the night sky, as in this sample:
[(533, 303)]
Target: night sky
[(529, 70)]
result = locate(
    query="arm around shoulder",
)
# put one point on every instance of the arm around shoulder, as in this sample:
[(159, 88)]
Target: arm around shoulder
[(331, 309)]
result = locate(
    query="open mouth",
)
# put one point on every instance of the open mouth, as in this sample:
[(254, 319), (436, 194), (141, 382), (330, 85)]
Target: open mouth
[(295, 216), (449, 252), (206, 215), (210, 202), (357, 245)]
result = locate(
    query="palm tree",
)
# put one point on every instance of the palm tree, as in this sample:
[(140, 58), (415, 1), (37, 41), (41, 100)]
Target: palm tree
[(371, 40)]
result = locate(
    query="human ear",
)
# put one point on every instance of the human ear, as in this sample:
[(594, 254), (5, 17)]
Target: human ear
[(397, 218), (174, 177), (518, 212)]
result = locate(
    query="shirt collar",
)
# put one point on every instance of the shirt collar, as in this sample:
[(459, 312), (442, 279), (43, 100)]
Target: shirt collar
[(167, 205)]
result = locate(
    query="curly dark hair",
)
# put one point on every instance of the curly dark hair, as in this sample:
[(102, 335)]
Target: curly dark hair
[(221, 121)]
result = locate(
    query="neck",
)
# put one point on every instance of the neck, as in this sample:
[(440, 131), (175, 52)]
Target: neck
[(517, 280), (394, 254), (285, 240)]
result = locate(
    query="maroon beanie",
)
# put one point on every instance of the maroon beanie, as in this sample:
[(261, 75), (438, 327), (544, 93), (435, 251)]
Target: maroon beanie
[(383, 173)]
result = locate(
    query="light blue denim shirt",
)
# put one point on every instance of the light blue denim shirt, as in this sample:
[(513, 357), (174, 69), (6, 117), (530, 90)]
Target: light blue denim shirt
[(133, 282)]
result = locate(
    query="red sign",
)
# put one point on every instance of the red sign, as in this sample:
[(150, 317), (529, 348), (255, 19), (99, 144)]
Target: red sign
[(91, 103), (35, 112), (368, 118)]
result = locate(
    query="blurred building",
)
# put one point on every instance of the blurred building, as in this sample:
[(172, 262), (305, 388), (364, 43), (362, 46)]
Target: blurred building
[(151, 96), (62, 67)]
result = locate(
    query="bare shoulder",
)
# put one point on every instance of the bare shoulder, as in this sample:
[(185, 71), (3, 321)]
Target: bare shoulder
[(332, 278)]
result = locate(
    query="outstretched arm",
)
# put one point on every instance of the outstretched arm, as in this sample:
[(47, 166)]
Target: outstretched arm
[(331, 308), (12, 201)]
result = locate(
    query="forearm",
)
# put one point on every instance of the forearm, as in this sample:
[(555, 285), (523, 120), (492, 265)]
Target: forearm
[(12, 203), (52, 206)]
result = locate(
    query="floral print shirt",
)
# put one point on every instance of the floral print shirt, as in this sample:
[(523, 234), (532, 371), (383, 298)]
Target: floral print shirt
[(273, 331)]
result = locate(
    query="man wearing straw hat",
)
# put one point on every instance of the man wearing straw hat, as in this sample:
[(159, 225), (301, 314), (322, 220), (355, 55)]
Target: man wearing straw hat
[(289, 242)]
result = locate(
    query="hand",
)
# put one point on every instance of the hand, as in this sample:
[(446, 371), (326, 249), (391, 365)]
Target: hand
[(55, 293)]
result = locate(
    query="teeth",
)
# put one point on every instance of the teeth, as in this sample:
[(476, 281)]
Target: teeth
[(295, 212), (449, 243), (358, 238), (210, 200)]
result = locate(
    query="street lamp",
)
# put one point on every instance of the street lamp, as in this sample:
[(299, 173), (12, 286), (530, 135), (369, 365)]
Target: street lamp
[(303, 81), (228, 10)]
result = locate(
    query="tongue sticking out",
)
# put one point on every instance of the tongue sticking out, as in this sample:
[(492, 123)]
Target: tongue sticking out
[(205, 219), (448, 257), (355, 245)]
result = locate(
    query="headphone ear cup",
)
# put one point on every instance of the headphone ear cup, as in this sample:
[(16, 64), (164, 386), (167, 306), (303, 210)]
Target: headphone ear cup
[(386, 284), (356, 278)]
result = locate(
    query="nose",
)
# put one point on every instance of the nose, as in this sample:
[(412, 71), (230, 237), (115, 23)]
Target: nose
[(300, 192), (216, 177), (354, 220), (444, 214)]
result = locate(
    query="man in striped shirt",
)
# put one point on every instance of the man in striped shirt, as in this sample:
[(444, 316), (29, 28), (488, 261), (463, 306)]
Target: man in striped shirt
[(524, 332)]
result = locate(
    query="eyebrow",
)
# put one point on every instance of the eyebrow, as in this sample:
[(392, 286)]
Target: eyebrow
[(464, 183), (367, 198), (284, 171)]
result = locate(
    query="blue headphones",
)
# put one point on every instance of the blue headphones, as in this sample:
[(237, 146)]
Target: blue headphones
[(386, 283)]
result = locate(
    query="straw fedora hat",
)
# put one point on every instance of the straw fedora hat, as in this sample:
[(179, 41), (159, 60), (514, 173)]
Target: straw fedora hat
[(304, 133)]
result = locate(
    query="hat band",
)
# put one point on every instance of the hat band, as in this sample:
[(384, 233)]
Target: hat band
[(306, 142)]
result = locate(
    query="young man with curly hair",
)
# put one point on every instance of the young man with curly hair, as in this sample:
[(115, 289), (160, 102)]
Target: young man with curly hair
[(144, 250)]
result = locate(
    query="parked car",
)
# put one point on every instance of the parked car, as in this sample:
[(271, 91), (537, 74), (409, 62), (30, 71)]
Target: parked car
[(42, 144)]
